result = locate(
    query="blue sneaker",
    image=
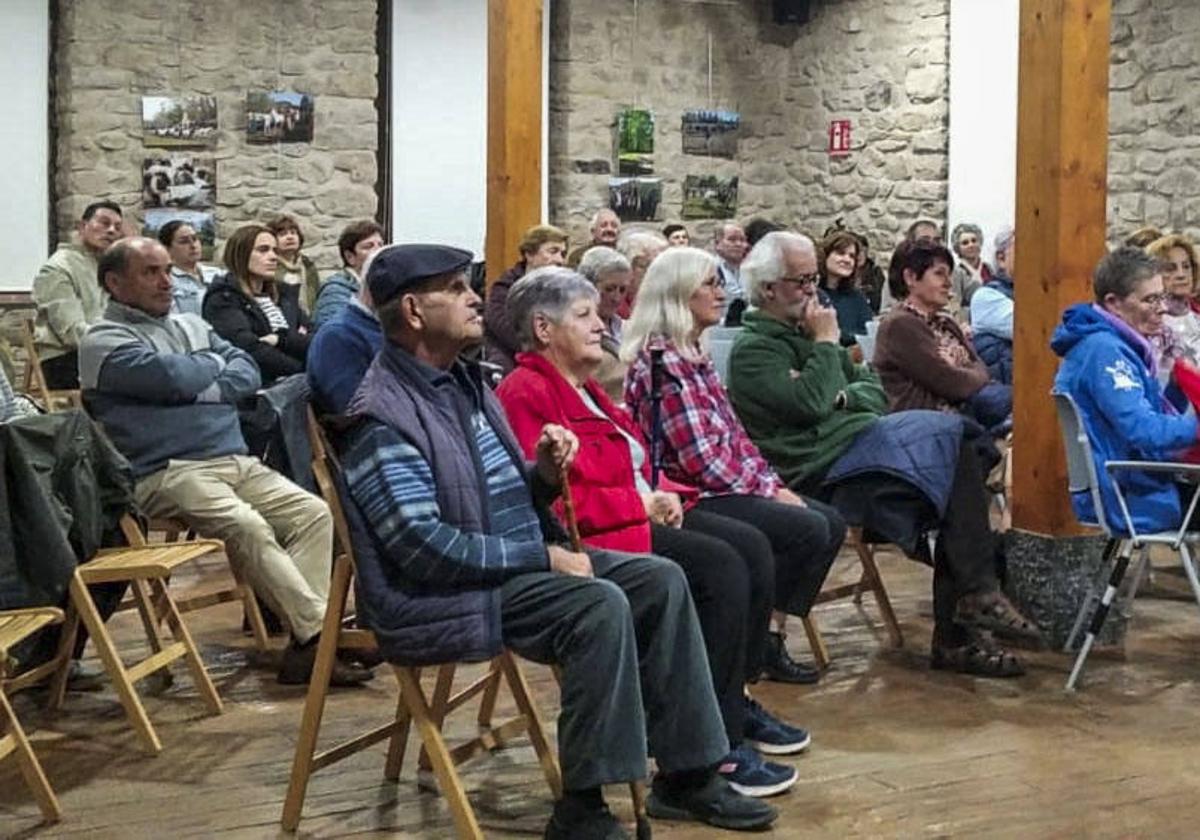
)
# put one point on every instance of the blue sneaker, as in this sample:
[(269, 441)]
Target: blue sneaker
[(768, 734), (749, 775)]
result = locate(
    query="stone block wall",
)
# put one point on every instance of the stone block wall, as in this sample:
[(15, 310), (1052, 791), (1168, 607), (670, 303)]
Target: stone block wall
[(882, 64), (1154, 117), (111, 52)]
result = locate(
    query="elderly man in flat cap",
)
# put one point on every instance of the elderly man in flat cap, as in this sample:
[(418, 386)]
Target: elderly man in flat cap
[(455, 513), (165, 388)]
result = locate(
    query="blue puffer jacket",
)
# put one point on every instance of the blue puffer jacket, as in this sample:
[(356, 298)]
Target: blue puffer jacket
[(1106, 369), (920, 447)]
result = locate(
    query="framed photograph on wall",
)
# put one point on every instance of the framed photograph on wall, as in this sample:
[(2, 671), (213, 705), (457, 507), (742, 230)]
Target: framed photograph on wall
[(709, 197), (185, 181), (204, 223), (711, 133), (179, 121), (635, 142), (279, 116), (635, 199)]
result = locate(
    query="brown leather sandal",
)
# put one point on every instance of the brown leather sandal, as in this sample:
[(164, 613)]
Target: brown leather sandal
[(979, 658), (993, 611)]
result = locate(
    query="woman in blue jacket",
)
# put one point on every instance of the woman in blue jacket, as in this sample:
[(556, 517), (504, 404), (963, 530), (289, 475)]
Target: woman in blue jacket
[(1109, 368)]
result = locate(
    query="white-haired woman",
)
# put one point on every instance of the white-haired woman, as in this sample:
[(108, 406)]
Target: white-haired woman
[(640, 247), (971, 272), (702, 441), (610, 272), (556, 316)]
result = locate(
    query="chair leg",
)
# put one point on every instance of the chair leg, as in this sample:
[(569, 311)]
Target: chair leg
[(200, 677), (443, 767), (398, 744), (1114, 583), (487, 704), (66, 648), (1107, 558), (437, 706), (866, 556), (537, 734), (816, 642), (134, 710), (148, 611), (254, 616), (318, 689), (31, 768), (1189, 566)]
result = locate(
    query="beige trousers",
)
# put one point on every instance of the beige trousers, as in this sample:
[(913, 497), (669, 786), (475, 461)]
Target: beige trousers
[(280, 536)]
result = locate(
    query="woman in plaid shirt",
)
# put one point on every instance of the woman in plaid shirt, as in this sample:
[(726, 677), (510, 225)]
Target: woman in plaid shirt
[(702, 441)]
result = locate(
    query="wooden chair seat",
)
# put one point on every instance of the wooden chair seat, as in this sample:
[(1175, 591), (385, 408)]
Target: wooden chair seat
[(145, 562), (869, 581), (428, 712), (15, 627), (147, 570)]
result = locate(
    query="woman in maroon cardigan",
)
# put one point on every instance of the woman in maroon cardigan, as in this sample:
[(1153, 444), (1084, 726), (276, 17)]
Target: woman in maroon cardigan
[(728, 564), (923, 357)]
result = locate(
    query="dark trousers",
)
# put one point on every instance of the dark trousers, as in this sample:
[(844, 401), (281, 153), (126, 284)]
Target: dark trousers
[(804, 542), (62, 372), (730, 572), (633, 666), (964, 560)]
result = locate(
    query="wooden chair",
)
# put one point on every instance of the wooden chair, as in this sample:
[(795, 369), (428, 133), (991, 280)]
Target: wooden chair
[(35, 380), (414, 706), (869, 581), (174, 531), (147, 569), (16, 626)]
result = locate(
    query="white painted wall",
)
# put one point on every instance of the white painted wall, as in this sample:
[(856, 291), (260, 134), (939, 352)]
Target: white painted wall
[(983, 115), (24, 141)]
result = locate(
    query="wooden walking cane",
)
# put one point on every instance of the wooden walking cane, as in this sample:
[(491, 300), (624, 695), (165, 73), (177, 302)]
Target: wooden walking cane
[(637, 790)]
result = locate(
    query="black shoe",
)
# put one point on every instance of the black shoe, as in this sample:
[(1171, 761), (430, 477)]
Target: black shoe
[(779, 667), (296, 666), (573, 821), (714, 802)]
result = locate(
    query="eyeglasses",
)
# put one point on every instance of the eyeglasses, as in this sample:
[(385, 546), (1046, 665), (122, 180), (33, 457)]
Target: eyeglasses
[(803, 280), (1154, 301)]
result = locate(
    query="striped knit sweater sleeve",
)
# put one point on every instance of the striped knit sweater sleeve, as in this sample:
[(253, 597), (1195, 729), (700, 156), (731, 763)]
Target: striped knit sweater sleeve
[(393, 486)]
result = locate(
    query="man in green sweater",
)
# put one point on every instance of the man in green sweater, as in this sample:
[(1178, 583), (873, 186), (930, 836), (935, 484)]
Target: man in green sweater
[(820, 420), (801, 398)]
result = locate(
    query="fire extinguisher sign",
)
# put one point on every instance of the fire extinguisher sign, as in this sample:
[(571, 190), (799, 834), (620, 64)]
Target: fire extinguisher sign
[(839, 138)]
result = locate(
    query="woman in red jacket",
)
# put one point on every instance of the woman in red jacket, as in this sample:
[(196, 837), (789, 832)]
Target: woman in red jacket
[(729, 565)]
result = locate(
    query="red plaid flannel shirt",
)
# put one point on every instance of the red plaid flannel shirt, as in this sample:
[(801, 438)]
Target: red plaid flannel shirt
[(703, 442)]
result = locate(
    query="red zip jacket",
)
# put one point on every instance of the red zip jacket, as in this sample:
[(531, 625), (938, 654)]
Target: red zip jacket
[(608, 507)]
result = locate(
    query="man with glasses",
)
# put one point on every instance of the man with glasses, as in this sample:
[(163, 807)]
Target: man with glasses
[(821, 421)]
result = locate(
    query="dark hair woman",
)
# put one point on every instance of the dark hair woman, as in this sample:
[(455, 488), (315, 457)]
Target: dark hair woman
[(837, 262), (249, 309), (189, 279)]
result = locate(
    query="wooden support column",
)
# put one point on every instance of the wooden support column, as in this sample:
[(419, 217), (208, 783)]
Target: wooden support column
[(514, 199), (1062, 167)]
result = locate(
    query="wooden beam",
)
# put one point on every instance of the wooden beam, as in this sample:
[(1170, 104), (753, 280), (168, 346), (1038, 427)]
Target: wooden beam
[(514, 199), (1062, 168)]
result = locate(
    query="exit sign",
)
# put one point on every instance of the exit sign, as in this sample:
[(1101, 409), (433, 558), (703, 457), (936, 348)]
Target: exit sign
[(839, 137)]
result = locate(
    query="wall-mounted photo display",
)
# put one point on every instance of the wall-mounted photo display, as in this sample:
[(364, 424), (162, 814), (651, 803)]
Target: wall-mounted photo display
[(635, 199), (711, 133), (709, 197), (179, 121), (279, 116), (205, 225), (179, 181), (635, 142)]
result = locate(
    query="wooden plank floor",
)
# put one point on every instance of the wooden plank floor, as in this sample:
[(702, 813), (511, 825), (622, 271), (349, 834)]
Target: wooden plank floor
[(898, 751)]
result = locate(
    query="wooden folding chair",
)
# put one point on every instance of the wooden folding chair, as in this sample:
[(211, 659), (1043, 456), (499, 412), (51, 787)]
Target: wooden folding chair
[(174, 531), (869, 581), (428, 712), (147, 569), (16, 626), (35, 379)]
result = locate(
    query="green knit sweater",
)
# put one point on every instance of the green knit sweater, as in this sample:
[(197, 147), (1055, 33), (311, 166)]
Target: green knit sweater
[(784, 387)]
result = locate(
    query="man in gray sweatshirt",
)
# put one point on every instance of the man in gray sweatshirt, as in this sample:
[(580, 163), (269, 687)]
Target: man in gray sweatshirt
[(165, 387)]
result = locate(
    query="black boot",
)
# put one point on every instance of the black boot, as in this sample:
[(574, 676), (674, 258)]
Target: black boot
[(779, 667)]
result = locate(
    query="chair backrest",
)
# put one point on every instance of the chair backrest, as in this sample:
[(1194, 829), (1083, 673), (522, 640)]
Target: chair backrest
[(720, 344), (1081, 467), (35, 381), (323, 466)]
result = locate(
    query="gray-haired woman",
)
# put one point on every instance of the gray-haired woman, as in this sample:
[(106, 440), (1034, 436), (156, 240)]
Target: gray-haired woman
[(971, 271), (728, 564), (611, 273)]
